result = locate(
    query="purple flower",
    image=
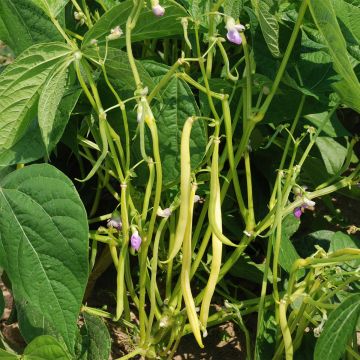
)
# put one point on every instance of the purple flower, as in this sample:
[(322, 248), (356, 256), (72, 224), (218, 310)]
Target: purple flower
[(297, 212), (234, 36), (234, 30), (135, 240), (158, 10)]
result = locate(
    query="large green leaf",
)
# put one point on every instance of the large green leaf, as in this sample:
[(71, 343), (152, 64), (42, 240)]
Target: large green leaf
[(332, 153), (51, 7), (325, 18), (178, 104), (232, 8), (269, 24), (338, 329), (348, 14), (43, 248), (148, 25), (45, 347), (20, 85), (96, 341), (29, 148), (23, 24), (57, 99)]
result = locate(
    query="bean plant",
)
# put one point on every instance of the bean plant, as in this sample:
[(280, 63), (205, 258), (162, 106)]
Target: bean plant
[(188, 148)]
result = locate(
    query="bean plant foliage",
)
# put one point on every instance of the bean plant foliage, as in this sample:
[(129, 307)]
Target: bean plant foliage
[(192, 150)]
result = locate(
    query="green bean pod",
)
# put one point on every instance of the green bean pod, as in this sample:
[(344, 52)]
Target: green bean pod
[(120, 283), (289, 350), (214, 209), (216, 243), (185, 273), (185, 186)]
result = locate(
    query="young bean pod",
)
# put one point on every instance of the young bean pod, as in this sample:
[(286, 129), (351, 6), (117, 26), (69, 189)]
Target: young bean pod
[(123, 253)]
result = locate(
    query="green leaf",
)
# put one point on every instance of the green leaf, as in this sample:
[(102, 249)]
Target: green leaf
[(49, 100), (96, 341), (197, 8), (288, 254), (340, 241), (338, 329), (232, 8), (118, 67), (57, 99), (62, 115), (348, 87), (51, 7), (4, 355), (29, 148), (332, 153), (247, 269), (178, 104), (20, 85), (306, 245), (332, 128), (23, 24), (269, 25), (348, 15), (148, 25), (43, 348), (43, 249)]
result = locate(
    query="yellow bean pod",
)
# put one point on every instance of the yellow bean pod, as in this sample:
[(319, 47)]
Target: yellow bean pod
[(185, 186), (185, 274), (216, 243)]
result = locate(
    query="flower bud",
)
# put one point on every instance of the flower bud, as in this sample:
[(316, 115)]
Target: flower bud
[(135, 240), (158, 10), (163, 213), (309, 202), (297, 212)]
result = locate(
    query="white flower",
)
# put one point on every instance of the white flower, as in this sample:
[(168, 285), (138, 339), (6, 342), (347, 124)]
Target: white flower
[(115, 33)]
